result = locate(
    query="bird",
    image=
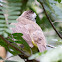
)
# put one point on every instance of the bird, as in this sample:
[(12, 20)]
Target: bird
[(32, 32)]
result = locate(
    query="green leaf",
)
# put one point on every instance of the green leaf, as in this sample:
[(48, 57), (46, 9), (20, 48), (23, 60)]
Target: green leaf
[(1, 12), (41, 0), (19, 34), (14, 13), (10, 61), (13, 50), (13, 10), (14, 1), (15, 4), (3, 3), (55, 0), (5, 34), (13, 26), (13, 17), (38, 0), (1, 16), (59, 1), (34, 56), (12, 21), (2, 25), (20, 42), (2, 21), (8, 30), (53, 55)]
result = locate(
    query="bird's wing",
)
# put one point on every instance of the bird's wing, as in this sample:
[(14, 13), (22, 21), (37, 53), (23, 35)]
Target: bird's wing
[(20, 28), (37, 36), (39, 39)]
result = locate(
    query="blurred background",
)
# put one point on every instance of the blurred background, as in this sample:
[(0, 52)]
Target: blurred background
[(14, 8), (53, 12)]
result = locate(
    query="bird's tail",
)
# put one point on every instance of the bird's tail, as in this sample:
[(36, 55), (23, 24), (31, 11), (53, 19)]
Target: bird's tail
[(41, 47)]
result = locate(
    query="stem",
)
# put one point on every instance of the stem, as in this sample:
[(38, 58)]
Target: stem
[(50, 46)]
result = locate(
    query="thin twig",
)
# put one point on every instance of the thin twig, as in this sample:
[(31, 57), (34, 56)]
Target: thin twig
[(50, 20), (50, 46)]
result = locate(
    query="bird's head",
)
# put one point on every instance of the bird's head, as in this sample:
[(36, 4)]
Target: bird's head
[(29, 15)]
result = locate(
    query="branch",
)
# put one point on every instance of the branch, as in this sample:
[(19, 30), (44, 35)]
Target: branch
[(13, 46), (24, 56), (50, 46), (50, 20)]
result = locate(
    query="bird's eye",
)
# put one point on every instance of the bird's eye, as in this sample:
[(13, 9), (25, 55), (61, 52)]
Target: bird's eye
[(31, 11)]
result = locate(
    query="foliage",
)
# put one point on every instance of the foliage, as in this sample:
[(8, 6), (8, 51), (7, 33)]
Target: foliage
[(11, 9), (53, 55), (58, 1), (35, 56), (8, 14), (53, 11)]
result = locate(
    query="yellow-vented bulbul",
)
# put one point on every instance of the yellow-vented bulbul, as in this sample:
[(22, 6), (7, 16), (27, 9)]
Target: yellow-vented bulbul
[(32, 33)]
